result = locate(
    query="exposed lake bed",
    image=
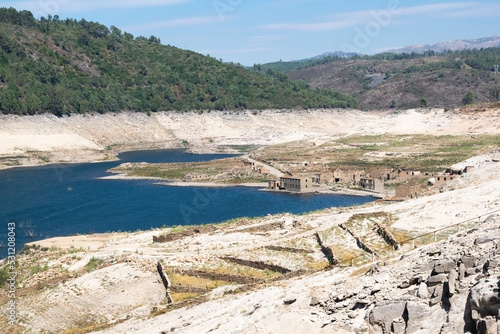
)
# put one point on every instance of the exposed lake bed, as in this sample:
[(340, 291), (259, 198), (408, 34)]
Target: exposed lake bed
[(59, 200), (91, 272)]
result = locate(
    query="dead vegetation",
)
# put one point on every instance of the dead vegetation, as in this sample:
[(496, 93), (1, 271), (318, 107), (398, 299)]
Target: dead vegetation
[(369, 152)]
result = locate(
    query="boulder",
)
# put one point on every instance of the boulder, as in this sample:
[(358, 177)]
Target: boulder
[(486, 238), (487, 326), (382, 316), (491, 218), (484, 305), (376, 288), (437, 294), (424, 320), (437, 279), (468, 261), (398, 326), (314, 301), (491, 264), (444, 266), (452, 279), (461, 272), (456, 321), (289, 300), (422, 292)]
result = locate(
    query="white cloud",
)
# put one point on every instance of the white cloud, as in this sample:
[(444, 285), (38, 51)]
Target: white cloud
[(351, 19), (439, 8), (311, 27), (188, 21), (45, 7)]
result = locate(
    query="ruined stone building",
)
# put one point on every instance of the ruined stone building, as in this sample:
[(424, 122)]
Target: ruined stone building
[(439, 180), (373, 184), (408, 174), (385, 174), (291, 183), (323, 178), (241, 170), (409, 190), (348, 175), (196, 177)]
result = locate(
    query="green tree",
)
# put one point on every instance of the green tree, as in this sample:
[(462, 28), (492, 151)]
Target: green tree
[(82, 66), (468, 98), (424, 102), (495, 93)]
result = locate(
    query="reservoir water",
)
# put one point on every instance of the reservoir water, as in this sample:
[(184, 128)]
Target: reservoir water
[(61, 200)]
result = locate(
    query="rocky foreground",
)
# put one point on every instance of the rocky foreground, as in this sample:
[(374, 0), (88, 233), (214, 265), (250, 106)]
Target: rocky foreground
[(447, 287)]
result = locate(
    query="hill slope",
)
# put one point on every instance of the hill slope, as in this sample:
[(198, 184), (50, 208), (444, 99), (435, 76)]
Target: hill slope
[(67, 66), (402, 81)]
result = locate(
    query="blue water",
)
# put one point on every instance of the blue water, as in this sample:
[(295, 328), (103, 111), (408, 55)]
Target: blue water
[(60, 200)]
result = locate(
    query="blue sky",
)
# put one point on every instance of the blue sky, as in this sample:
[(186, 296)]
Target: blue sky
[(258, 31)]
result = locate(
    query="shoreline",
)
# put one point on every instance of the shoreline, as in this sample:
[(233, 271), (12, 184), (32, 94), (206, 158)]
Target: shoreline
[(327, 191), (31, 160), (208, 184), (124, 176), (86, 139)]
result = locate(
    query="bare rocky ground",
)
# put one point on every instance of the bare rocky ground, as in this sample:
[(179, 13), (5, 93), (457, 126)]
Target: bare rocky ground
[(267, 275), (43, 139)]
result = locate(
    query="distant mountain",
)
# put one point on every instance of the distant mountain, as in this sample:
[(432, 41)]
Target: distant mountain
[(458, 44)]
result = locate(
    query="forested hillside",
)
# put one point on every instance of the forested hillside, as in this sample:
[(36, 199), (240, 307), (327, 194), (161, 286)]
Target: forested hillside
[(68, 66)]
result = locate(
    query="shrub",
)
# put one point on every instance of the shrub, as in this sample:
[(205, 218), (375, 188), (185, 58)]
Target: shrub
[(93, 264)]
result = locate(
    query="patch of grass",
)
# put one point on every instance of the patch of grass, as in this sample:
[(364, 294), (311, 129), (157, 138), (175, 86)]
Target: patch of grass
[(224, 268), (177, 297), (38, 269), (312, 212), (180, 228), (359, 271), (243, 148), (239, 219), (195, 281), (315, 266), (93, 327), (3, 276), (423, 152), (93, 264), (44, 158), (13, 163)]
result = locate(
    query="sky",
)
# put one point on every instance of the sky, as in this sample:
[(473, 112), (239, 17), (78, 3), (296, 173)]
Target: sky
[(261, 31)]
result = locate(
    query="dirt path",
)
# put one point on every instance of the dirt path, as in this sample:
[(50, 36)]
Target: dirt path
[(271, 169)]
